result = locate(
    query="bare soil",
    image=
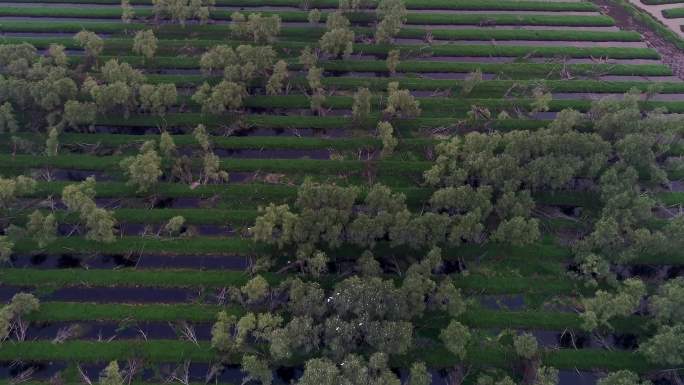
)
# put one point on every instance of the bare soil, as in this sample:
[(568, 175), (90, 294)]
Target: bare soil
[(671, 55)]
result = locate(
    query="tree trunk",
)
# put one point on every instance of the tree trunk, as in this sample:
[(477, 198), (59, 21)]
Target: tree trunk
[(457, 375), (529, 369)]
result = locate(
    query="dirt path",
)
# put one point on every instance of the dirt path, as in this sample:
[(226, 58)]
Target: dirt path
[(671, 55), (656, 11)]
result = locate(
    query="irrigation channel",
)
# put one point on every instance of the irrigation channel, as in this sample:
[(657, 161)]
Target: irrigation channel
[(149, 298)]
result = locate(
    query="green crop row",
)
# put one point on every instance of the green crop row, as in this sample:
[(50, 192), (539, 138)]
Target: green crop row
[(673, 13), (221, 31), (179, 351), (116, 46), (300, 16), (513, 70), (485, 89), (475, 317), (110, 163), (473, 283), (233, 142), (231, 245)]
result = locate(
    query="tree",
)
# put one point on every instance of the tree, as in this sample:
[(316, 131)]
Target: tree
[(174, 226), (276, 82), (221, 332), (167, 146), (604, 306), (362, 104), (158, 98), (143, 170), (392, 61), (317, 100), (300, 336), (351, 5), (314, 16), (127, 12), (256, 289), (91, 42), (255, 27), (145, 43), (456, 337), (263, 29), (79, 113), (665, 348), (313, 77), (517, 231), (182, 10), (622, 377), (121, 83), (115, 72), (257, 369), (526, 345), (392, 15), (52, 142), (339, 39), (111, 375), (202, 137), (211, 165), (419, 374), (42, 228), (668, 305), (546, 375), (308, 58), (401, 102), (319, 371), (389, 142), (6, 246), (8, 123), (540, 100), (55, 56), (99, 222), (10, 188), (471, 81), (226, 95), (239, 65), (21, 305)]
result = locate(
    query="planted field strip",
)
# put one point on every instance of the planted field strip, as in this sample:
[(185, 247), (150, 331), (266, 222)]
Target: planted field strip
[(674, 13), (437, 18), (218, 31)]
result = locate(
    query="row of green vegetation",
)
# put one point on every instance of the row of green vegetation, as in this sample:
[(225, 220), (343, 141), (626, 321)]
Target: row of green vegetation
[(294, 16)]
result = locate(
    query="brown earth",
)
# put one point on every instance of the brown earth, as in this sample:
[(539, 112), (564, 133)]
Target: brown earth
[(670, 54)]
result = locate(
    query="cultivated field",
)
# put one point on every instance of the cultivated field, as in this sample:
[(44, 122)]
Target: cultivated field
[(313, 192)]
